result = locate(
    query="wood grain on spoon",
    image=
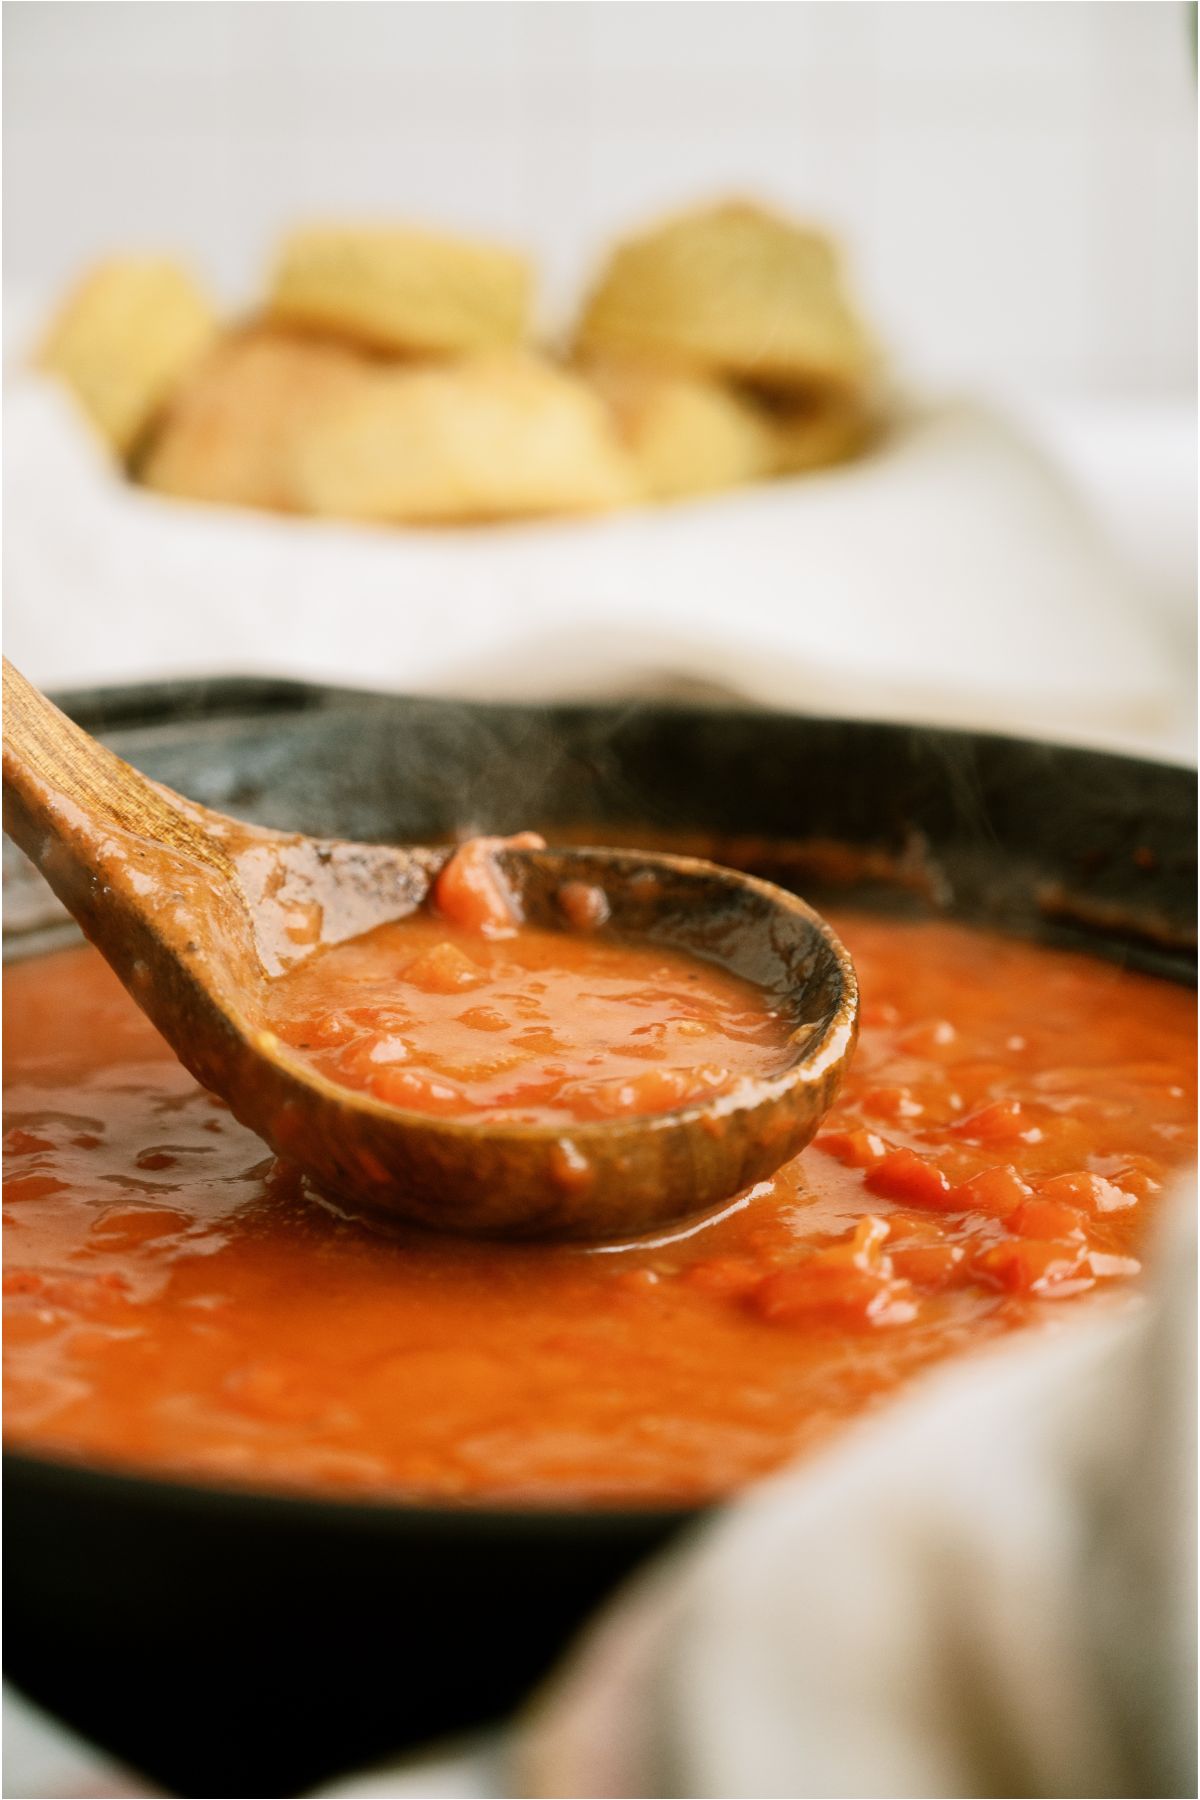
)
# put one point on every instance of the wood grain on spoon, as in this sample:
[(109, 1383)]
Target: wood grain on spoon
[(198, 914)]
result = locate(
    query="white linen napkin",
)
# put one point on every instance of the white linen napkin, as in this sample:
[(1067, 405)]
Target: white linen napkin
[(990, 1589), (951, 576), (44, 1760)]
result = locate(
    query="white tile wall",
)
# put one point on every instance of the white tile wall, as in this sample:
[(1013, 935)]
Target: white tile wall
[(1015, 181)]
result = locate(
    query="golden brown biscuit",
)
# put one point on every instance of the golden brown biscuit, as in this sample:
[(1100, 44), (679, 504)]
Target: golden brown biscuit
[(228, 435), (686, 434), (496, 436), (402, 290), (732, 289), (124, 338)]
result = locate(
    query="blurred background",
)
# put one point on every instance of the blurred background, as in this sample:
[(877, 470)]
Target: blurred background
[(1014, 187)]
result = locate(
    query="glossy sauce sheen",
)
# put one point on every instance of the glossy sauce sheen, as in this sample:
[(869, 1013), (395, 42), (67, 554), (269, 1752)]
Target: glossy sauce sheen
[(537, 1027), (177, 1302)]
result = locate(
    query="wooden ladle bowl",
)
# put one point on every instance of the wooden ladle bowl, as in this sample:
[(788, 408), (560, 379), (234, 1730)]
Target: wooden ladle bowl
[(198, 913)]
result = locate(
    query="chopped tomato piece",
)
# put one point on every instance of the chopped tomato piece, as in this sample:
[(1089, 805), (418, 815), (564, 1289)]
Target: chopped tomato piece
[(1093, 1192), (540, 1040), (996, 1192), (929, 1265), (471, 891), (416, 1091), (586, 907), (1141, 1178), (1030, 1266), (1004, 1122), (905, 1176), (330, 1029), (658, 1090), (916, 1227), (892, 1103), (485, 1065), (853, 1283), (1046, 1219), (484, 1018), (362, 1061), (445, 969), (857, 1149)]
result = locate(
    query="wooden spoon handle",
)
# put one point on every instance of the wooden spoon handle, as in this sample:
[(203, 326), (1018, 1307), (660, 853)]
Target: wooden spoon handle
[(56, 777)]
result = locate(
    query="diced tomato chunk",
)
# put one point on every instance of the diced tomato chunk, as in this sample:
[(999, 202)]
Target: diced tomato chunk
[(996, 1192), (1140, 1178), (1004, 1122), (657, 1090), (905, 1176), (470, 890), (416, 1091), (362, 1061), (1092, 1192), (853, 1283), (330, 1029), (1042, 1218), (1031, 1266), (892, 1103), (920, 1227), (929, 1265), (586, 906), (444, 970), (857, 1149), (484, 1018)]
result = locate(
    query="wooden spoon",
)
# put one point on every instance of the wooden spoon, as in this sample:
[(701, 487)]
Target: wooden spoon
[(196, 913)]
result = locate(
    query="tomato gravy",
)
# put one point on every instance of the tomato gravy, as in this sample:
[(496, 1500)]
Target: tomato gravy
[(464, 1010), (540, 1027), (178, 1301)]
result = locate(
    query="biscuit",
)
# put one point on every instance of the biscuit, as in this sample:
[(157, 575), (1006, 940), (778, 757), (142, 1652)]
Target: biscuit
[(686, 434), (496, 436), (399, 290), (228, 435), (734, 290), (123, 340)]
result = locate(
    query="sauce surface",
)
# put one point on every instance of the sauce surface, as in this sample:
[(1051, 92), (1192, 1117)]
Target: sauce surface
[(176, 1301), (536, 1027)]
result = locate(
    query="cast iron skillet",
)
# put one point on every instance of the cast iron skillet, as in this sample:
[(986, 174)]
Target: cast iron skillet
[(234, 1643)]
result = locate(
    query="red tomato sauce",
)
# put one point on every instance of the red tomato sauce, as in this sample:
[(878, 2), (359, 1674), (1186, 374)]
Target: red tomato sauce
[(176, 1301), (535, 1027)]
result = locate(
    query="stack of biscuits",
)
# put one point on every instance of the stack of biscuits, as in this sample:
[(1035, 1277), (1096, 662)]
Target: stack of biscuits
[(392, 374)]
